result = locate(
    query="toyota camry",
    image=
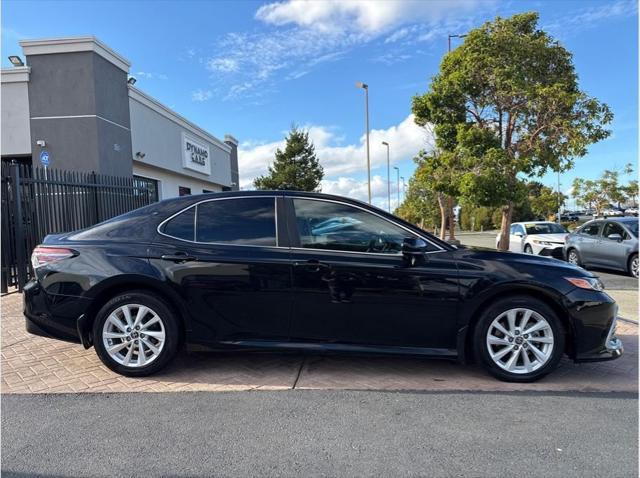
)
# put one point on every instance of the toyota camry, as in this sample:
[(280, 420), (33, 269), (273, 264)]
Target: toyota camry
[(306, 271)]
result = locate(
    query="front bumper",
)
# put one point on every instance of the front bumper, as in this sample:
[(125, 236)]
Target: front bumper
[(552, 251)]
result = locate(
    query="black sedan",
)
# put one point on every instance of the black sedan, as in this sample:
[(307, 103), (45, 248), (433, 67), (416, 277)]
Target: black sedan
[(308, 272)]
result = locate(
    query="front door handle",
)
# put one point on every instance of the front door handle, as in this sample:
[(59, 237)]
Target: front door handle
[(177, 257), (312, 265)]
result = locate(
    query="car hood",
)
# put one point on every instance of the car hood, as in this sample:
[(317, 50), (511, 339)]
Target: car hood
[(549, 237), (519, 261)]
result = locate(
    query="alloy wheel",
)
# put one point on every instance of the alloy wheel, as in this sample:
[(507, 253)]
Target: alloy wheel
[(573, 257), (520, 341), (133, 335), (635, 267)]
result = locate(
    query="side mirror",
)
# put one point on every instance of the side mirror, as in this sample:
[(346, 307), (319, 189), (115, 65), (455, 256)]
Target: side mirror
[(615, 237), (414, 249), (519, 234)]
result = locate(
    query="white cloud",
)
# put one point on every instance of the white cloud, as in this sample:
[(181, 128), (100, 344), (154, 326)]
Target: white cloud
[(356, 189), (406, 139), (225, 65), (367, 16), (201, 95)]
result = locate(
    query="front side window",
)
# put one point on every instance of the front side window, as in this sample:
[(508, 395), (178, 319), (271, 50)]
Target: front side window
[(239, 221), (340, 227), (614, 228), (590, 229)]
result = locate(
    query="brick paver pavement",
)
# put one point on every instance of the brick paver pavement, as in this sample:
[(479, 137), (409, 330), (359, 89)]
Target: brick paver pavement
[(33, 364)]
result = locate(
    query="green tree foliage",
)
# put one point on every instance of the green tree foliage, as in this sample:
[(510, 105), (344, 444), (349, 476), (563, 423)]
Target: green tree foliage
[(507, 102), (296, 168), (599, 193), (420, 203), (544, 200)]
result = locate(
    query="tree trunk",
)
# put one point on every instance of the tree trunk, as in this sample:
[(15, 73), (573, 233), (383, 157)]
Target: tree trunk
[(507, 211), (452, 222), (442, 202)]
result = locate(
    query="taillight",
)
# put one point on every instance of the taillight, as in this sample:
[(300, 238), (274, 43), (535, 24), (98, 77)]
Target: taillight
[(46, 255)]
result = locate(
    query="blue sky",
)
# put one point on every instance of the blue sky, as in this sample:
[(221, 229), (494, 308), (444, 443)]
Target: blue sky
[(254, 68)]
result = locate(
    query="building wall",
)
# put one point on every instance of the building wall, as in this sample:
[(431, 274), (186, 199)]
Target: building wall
[(16, 133), (157, 133), (79, 107), (169, 183)]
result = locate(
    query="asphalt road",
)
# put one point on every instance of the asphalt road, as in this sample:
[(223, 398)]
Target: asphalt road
[(320, 433), (612, 280)]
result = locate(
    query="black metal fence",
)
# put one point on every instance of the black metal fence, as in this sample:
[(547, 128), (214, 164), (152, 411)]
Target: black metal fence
[(37, 202)]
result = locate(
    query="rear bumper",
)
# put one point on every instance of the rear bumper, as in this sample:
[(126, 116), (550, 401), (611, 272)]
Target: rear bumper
[(52, 315)]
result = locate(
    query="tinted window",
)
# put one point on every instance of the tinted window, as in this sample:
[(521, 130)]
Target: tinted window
[(181, 226), (545, 228), (590, 229), (614, 228), (340, 227), (242, 221), (634, 227)]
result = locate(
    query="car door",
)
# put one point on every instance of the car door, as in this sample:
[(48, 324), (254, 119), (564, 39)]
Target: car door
[(614, 253), (587, 242), (516, 238), (352, 285), (224, 257)]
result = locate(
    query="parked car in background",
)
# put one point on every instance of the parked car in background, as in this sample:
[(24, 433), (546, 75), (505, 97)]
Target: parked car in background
[(611, 244), (632, 211), (612, 212), (568, 216), (285, 270), (542, 238)]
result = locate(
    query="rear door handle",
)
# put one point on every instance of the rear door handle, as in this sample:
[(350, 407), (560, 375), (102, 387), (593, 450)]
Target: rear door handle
[(312, 265), (177, 257)]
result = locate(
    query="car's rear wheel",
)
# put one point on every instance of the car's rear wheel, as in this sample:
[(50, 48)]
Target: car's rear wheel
[(633, 266), (573, 257), (519, 339), (135, 334), (528, 249)]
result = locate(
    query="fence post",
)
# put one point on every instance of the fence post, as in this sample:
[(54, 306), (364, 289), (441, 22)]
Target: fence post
[(95, 196), (21, 256)]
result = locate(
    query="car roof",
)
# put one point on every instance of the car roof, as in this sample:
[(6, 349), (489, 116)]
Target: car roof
[(533, 222)]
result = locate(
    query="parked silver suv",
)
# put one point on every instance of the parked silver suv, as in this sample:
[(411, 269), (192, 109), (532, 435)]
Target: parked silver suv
[(607, 243)]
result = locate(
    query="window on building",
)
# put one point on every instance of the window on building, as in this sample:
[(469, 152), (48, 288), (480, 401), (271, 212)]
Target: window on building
[(146, 187), (181, 226), (206, 191), (240, 221), (184, 191), (341, 227)]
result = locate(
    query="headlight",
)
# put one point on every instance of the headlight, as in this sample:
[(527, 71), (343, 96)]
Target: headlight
[(589, 283), (543, 243)]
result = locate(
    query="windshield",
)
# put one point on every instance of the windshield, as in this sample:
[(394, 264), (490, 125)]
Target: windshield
[(545, 228)]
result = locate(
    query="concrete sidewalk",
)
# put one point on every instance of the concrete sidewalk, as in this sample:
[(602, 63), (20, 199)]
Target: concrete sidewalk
[(627, 302)]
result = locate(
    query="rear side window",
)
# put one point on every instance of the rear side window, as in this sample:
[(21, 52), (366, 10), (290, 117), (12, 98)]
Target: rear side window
[(590, 229), (241, 221), (181, 226)]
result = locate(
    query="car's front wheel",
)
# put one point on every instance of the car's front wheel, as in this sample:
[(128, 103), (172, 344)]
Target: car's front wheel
[(519, 339), (633, 266), (135, 334), (573, 257), (528, 249)]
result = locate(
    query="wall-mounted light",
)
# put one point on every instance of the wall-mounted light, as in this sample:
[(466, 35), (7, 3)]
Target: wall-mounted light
[(16, 60), (140, 154), (132, 80), (41, 142)]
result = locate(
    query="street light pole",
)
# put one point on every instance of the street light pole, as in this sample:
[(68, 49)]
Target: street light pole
[(455, 36), (365, 87), (398, 175), (559, 196), (388, 176)]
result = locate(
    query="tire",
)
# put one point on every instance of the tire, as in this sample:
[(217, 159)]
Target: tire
[(501, 366), (158, 334), (573, 257), (528, 249), (633, 266)]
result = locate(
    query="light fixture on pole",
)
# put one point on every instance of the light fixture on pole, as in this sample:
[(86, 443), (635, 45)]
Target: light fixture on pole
[(455, 36), (365, 87), (398, 176), (388, 176), (16, 60)]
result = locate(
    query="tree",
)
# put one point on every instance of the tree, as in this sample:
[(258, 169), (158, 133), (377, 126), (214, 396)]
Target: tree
[(507, 100), (544, 201), (419, 205), (296, 168), (599, 193)]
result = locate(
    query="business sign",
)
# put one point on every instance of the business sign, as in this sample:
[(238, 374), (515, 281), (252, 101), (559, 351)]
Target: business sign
[(195, 154), (44, 157)]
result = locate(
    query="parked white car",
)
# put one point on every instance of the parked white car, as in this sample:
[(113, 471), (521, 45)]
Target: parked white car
[(610, 212), (542, 238), (632, 211)]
